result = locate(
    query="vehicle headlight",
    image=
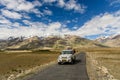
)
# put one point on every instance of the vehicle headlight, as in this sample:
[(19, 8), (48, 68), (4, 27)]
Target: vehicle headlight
[(59, 57)]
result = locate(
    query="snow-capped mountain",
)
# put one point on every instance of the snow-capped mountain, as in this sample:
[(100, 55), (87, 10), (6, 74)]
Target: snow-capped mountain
[(112, 41), (50, 42)]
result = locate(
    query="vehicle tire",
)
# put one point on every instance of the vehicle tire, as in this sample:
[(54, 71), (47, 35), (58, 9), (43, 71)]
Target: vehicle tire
[(72, 62), (59, 63)]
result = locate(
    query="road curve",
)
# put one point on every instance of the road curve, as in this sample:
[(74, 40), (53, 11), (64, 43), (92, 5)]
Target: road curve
[(76, 71)]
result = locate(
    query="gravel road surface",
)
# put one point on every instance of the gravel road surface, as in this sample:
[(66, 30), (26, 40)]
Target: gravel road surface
[(75, 71)]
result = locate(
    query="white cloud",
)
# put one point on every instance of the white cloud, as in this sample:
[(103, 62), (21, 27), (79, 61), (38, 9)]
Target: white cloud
[(3, 20), (105, 24), (61, 3), (47, 12), (34, 28), (75, 27), (16, 24), (9, 3), (75, 20), (26, 16), (37, 3), (11, 14), (68, 5), (25, 6), (37, 12), (54, 27), (21, 5), (102, 24), (49, 1), (34, 24), (73, 5), (68, 21)]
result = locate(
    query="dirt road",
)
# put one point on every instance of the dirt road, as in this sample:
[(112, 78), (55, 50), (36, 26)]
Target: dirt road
[(76, 71)]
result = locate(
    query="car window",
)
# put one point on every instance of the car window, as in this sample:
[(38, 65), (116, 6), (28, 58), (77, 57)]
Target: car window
[(67, 52)]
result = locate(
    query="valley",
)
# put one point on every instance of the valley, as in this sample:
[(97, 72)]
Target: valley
[(20, 57), (15, 63)]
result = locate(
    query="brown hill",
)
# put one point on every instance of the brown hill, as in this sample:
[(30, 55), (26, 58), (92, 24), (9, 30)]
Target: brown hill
[(50, 42), (112, 41)]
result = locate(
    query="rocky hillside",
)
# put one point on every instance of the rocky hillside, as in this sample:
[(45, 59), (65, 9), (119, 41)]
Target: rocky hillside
[(112, 41), (10, 42), (47, 42)]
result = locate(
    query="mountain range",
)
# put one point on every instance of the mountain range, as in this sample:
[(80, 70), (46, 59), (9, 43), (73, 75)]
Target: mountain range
[(51, 42), (111, 41)]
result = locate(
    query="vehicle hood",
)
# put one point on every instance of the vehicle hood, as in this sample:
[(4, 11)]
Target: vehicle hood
[(65, 55)]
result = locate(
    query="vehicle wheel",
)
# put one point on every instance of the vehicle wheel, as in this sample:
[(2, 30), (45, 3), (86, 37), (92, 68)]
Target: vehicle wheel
[(59, 63), (72, 62)]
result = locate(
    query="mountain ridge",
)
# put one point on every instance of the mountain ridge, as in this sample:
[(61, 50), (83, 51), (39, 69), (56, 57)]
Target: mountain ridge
[(112, 41), (55, 42)]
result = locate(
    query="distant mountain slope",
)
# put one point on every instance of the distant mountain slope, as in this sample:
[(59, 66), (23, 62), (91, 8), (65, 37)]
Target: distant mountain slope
[(3, 44), (112, 41), (10, 42), (49, 42), (29, 43)]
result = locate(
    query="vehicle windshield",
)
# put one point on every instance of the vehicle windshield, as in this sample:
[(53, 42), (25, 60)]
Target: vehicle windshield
[(66, 52)]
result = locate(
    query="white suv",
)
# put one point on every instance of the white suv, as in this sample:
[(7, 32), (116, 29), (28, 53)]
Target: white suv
[(66, 56)]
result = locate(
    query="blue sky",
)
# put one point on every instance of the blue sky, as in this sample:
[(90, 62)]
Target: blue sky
[(86, 18)]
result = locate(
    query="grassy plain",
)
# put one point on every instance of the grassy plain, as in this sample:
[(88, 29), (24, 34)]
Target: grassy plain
[(16, 62), (107, 57)]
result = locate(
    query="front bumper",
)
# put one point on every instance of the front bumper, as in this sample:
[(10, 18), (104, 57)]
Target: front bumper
[(64, 60)]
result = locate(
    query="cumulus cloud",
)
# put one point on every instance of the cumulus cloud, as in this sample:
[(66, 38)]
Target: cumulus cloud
[(107, 23), (15, 5), (61, 3), (49, 1), (73, 5), (68, 5), (47, 12), (34, 29), (37, 3), (25, 6), (22, 6), (11, 14), (19, 5), (9, 3), (102, 24), (3, 20), (54, 28)]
